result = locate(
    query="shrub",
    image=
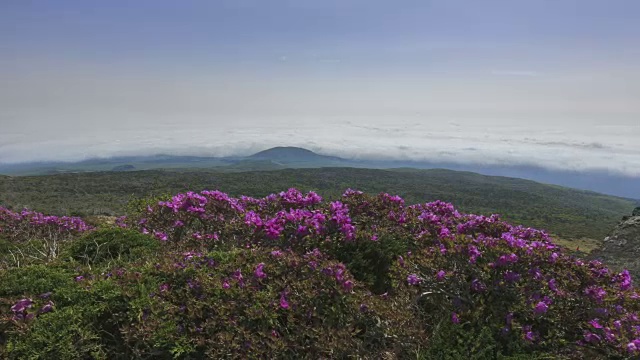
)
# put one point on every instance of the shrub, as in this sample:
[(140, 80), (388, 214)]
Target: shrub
[(109, 244), (34, 280), (290, 276), (253, 305), (38, 236)]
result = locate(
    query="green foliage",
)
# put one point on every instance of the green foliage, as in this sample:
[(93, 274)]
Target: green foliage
[(109, 244), (370, 262), (85, 323), (193, 313), (62, 334), (452, 342), (566, 212), (34, 280), (373, 278)]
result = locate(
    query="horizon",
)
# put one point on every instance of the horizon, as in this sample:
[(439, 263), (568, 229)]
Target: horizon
[(537, 83)]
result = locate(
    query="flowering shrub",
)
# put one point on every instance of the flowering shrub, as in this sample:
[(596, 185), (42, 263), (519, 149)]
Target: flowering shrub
[(35, 235), (291, 274)]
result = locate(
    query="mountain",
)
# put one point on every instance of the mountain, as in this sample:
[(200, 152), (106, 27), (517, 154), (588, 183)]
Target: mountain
[(296, 157)]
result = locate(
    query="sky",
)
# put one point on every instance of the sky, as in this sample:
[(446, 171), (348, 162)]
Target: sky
[(554, 83)]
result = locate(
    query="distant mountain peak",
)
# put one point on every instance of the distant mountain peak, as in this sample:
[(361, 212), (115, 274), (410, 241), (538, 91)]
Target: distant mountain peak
[(290, 153)]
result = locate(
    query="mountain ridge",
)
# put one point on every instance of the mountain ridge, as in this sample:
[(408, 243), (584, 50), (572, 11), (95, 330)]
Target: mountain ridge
[(297, 157)]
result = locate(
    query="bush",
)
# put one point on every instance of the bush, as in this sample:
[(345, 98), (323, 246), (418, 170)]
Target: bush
[(62, 334), (81, 321), (34, 280), (105, 245), (290, 276), (253, 305)]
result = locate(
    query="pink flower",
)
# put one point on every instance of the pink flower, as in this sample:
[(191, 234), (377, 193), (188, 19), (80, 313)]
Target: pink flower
[(413, 279), (454, 318), (595, 324), (160, 235), (283, 302), (348, 285), (259, 273)]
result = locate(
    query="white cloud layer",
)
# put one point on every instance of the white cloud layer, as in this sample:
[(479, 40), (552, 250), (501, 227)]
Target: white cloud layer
[(578, 118)]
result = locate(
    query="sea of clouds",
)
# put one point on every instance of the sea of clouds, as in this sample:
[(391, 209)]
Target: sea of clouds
[(572, 147)]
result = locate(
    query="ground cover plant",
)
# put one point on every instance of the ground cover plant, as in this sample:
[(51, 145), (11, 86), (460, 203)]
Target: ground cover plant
[(206, 275)]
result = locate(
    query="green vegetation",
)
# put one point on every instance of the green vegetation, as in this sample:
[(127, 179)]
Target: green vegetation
[(111, 245), (290, 276), (570, 214)]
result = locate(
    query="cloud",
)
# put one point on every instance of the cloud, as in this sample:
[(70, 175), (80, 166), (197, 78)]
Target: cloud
[(471, 143)]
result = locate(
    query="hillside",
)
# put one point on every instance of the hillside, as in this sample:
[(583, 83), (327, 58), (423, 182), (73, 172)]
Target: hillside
[(297, 158), (566, 212), (205, 275)]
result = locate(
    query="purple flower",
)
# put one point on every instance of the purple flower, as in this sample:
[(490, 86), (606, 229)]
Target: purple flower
[(348, 285), (160, 235), (529, 336), (259, 273), (283, 302), (225, 284), (595, 324), (454, 318), (592, 338), (596, 293), (617, 324), (79, 278), (540, 308), (413, 279), (46, 308), (22, 305), (478, 286), (441, 275), (511, 276)]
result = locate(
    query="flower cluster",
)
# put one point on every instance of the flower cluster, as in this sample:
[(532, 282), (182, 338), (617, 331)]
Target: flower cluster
[(269, 274), (27, 224)]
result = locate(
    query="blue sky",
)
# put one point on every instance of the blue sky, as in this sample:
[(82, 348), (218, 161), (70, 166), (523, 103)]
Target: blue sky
[(553, 83)]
